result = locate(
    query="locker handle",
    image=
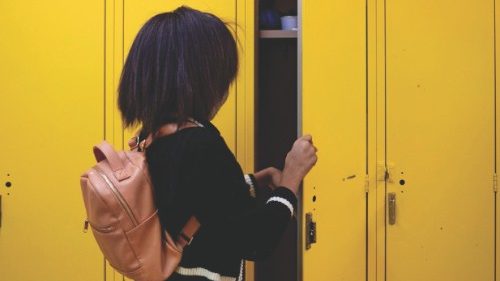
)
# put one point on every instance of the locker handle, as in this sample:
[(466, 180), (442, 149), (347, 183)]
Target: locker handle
[(392, 208)]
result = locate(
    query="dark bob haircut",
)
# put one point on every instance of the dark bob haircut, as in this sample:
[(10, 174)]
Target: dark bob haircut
[(180, 66)]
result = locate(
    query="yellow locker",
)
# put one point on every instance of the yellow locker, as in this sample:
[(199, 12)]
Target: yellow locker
[(334, 111), (435, 125), (439, 140), (51, 77), (136, 13)]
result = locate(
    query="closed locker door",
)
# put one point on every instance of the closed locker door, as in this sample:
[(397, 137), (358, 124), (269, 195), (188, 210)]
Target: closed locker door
[(333, 103), (136, 13), (440, 140), (51, 112)]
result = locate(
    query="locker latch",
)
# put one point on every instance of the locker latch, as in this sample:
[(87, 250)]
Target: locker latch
[(310, 231), (386, 172)]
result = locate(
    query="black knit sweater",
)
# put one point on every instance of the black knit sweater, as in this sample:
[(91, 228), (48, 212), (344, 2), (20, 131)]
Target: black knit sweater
[(194, 173)]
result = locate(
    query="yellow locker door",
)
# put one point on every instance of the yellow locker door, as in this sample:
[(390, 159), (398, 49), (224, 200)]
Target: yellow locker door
[(51, 112), (136, 13), (333, 42), (440, 140)]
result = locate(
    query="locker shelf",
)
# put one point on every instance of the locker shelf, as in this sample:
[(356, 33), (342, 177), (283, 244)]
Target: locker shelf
[(272, 34)]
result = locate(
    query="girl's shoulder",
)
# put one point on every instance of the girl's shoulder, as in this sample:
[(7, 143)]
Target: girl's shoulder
[(191, 139), (204, 139)]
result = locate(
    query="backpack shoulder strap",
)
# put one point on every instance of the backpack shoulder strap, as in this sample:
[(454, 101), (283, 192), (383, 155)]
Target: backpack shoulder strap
[(140, 144)]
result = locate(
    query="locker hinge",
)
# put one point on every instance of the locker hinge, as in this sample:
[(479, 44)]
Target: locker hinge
[(367, 184), (495, 183)]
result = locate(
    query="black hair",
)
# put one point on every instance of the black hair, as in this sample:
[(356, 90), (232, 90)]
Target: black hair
[(180, 66)]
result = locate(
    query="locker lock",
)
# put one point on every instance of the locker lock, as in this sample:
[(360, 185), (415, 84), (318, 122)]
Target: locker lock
[(310, 231)]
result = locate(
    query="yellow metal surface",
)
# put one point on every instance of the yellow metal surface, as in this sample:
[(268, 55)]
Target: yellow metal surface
[(377, 148), (244, 91), (438, 136), (51, 77), (114, 64), (136, 13), (440, 139), (375, 109), (245, 32), (334, 112)]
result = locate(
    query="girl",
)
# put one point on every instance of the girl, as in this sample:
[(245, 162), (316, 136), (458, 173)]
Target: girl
[(177, 74)]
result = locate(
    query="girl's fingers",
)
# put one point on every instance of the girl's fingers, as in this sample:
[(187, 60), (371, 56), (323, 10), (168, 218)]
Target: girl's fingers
[(307, 138)]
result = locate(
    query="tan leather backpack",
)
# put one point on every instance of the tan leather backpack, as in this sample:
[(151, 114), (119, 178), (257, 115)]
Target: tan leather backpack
[(118, 197)]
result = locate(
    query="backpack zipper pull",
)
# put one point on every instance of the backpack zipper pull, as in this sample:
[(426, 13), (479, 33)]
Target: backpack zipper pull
[(85, 225)]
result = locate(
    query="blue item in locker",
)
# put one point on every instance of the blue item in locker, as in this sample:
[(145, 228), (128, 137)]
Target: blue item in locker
[(269, 19)]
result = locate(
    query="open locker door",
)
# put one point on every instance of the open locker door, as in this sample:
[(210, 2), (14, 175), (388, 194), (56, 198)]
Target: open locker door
[(334, 111)]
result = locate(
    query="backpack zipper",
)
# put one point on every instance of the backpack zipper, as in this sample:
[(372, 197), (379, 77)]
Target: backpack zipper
[(102, 229), (118, 196)]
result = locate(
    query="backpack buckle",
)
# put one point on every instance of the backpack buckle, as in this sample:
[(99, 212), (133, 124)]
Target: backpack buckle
[(186, 239), (133, 143), (142, 145)]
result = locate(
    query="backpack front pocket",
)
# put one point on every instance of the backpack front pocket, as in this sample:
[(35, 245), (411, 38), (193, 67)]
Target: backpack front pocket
[(117, 249)]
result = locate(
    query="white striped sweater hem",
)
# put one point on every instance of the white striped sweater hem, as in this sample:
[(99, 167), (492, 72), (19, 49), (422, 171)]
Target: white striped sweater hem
[(282, 201), (203, 272)]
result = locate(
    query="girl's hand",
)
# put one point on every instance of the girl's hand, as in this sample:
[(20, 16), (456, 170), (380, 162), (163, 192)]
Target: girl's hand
[(299, 161), (269, 177)]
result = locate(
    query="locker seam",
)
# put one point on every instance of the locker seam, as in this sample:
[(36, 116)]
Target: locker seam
[(113, 71), (123, 58), (104, 98), (385, 138), (366, 145), (299, 120), (104, 74), (366, 86), (236, 99), (494, 79), (495, 142), (376, 135)]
